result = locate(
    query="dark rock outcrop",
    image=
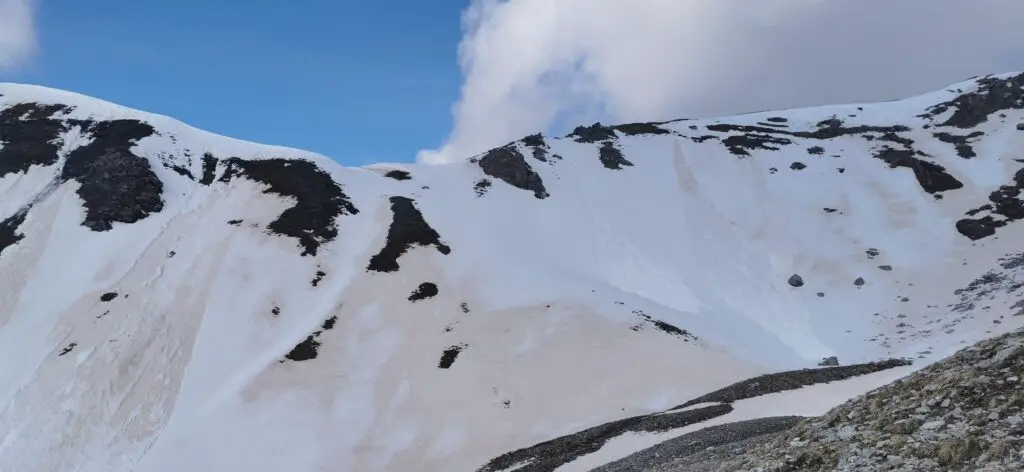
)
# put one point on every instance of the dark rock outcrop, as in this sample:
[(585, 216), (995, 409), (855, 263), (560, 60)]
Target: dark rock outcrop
[(398, 174), (1006, 203), (509, 165), (9, 234), (408, 228), (594, 133), (962, 144), (636, 129), (116, 185), (309, 348), (29, 135), (209, 169), (611, 156), (971, 109), (541, 150), (319, 199), (932, 177)]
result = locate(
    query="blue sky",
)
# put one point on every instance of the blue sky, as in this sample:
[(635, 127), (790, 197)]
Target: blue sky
[(364, 81), (358, 81)]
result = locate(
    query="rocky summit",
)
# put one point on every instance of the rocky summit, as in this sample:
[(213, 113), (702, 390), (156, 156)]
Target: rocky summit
[(729, 293)]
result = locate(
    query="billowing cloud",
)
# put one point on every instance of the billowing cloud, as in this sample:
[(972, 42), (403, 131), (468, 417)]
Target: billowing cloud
[(529, 64), (17, 32)]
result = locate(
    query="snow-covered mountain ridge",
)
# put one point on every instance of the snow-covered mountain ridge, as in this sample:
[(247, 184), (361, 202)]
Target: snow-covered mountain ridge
[(175, 299)]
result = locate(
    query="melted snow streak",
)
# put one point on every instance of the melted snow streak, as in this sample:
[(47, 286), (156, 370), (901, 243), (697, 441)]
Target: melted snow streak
[(177, 300)]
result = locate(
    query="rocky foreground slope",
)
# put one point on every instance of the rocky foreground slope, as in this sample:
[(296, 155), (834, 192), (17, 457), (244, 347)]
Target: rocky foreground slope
[(963, 413)]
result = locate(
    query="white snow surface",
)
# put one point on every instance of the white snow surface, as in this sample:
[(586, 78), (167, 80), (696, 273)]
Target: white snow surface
[(181, 371)]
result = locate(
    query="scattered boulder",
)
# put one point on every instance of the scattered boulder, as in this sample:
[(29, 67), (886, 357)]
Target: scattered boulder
[(830, 361), (796, 281), (424, 291)]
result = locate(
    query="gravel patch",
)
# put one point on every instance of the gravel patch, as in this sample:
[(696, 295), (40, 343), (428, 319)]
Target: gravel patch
[(791, 380), (550, 455), (965, 413), (699, 447)]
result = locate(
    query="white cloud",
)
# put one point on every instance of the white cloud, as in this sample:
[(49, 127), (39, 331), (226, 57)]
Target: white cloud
[(528, 63), (17, 32)]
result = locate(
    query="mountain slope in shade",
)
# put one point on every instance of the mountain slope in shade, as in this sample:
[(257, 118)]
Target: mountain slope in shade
[(175, 299)]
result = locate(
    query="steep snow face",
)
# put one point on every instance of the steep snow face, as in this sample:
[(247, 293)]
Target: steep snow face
[(174, 299)]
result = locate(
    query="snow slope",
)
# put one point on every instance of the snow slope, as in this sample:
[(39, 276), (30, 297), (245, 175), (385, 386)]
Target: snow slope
[(174, 299)]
